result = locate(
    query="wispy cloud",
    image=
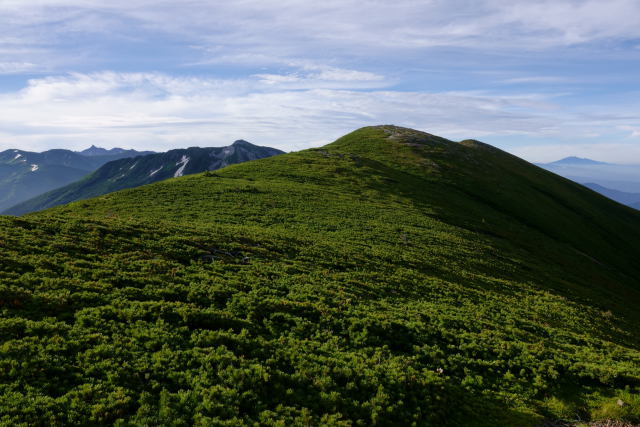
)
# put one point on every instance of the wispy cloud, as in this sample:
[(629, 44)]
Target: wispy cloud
[(293, 73), (324, 77), (299, 29), (152, 110), (634, 130), (536, 80), (16, 67)]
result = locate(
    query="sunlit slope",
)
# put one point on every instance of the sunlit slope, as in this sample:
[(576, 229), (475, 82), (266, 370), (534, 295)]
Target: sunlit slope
[(397, 171), (389, 277)]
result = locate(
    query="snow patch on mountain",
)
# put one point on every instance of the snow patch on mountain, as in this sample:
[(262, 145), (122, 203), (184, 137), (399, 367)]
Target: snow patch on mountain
[(34, 168), (183, 162), (155, 171)]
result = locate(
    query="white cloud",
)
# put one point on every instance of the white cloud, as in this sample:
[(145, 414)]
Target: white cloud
[(264, 30), (573, 21), (16, 67), (325, 77), (157, 111), (315, 69), (635, 130), (537, 80)]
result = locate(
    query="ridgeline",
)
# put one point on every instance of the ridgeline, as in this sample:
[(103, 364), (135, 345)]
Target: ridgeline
[(391, 277)]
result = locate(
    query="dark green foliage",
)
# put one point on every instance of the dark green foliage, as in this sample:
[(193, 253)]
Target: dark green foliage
[(391, 277)]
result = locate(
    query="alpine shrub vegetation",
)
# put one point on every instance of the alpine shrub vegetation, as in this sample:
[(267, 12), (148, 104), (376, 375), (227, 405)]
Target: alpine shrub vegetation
[(391, 277)]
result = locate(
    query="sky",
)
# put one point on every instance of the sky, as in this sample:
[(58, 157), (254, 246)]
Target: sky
[(540, 79)]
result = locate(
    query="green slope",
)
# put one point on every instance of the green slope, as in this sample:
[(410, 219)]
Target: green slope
[(392, 277)]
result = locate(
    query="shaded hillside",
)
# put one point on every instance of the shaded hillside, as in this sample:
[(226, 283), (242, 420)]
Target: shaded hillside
[(141, 170), (25, 174), (390, 278)]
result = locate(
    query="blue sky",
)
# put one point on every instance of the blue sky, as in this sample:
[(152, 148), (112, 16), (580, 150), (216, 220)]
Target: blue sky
[(543, 79)]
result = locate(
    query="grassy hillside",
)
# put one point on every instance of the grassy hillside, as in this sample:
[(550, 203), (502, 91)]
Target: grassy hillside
[(392, 277)]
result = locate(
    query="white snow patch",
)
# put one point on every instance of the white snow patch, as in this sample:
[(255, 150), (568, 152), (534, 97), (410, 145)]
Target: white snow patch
[(34, 168), (155, 171), (17, 156), (133, 165), (183, 161)]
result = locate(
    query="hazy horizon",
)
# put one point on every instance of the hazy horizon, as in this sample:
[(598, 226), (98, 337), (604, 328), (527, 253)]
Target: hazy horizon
[(124, 147)]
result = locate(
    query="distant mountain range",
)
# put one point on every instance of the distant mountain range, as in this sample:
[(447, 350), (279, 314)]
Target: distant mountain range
[(132, 172), (576, 161), (618, 182), (94, 151), (34, 181), (630, 199), (25, 174)]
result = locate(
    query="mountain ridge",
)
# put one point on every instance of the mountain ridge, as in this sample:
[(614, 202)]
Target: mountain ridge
[(25, 174), (145, 169), (626, 198), (600, 177), (95, 151), (573, 160), (619, 177), (391, 277)]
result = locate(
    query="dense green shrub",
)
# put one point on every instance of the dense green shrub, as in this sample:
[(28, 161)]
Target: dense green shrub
[(389, 278)]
